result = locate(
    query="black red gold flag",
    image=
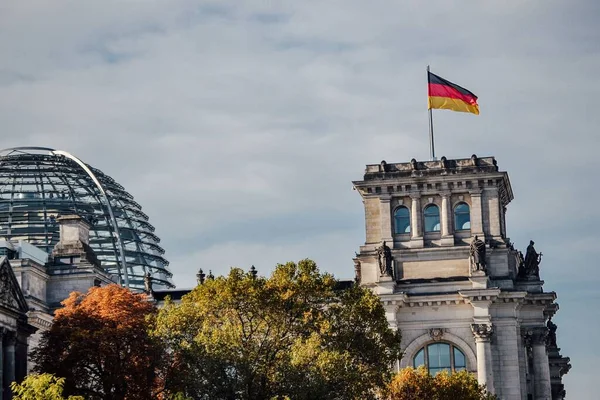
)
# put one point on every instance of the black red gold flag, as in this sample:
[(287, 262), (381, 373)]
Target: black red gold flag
[(449, 96)]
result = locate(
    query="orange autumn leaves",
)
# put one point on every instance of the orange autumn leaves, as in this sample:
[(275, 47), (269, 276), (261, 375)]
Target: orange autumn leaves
[(99, 342)]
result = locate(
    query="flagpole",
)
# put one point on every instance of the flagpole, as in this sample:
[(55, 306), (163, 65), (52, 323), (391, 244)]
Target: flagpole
[(431, 142)]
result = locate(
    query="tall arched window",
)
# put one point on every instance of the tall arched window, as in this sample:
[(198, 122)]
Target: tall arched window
[(432, 218), (462, 217), (437, 357), (402, 220)]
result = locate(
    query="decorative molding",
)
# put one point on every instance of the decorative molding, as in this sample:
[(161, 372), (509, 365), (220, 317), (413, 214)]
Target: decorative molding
[(482, 331), (436, 334), (39, 322), (420, 341), (11, 295), (533, 336), (418, 301)]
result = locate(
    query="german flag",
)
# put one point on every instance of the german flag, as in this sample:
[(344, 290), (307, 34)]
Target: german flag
[(447, 95)]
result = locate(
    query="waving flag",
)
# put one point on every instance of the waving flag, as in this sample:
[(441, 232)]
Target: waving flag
[(449, 96)]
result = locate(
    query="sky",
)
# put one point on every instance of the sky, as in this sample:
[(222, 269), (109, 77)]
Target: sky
[(240, 125)]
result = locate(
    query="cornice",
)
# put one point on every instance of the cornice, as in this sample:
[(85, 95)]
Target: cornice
[(404, 300)]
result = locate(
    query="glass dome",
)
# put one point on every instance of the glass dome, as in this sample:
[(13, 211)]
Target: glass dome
[(37, 184)]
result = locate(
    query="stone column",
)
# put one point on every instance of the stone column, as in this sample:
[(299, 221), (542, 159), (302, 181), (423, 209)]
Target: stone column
[(2, 332), (476, 214), (385, 212), (447, 227), (416, 225), (483, 335), (10, 339), (535, 340), (494, 221)]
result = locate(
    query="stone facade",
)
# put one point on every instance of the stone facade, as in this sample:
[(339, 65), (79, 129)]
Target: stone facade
[(14, 330), (483, 303), (32, 286)]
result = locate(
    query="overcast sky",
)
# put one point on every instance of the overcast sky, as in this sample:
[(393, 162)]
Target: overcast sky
[(239, 125)]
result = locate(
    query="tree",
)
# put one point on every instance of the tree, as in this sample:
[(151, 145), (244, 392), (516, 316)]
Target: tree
[(40, 387), (292, 334), (99, 342), (417, 384)]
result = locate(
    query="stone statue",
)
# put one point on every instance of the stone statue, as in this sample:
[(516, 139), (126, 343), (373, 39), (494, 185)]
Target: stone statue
[(384, 259), (477, 253), (520, 264), (532, 261), (474, 160), (383, 166), (444, 162), (148, 283), (200, 276), (551, 333)]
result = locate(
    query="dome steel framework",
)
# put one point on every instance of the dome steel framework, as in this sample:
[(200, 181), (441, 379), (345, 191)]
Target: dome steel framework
[(37, 184)]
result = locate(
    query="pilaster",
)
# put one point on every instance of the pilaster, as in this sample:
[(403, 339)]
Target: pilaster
[(416, 233), (476, 213), (2, 331), (447, 227), (385, 213), (9, 341), (483, 335), (494, 215), (535, 341)]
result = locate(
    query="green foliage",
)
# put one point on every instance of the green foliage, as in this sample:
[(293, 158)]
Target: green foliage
[(40, 387), (418, 384), (292, 334)]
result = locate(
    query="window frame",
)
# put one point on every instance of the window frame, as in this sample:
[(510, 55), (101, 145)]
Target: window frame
[(439, 219), (460, 203), (452, 347), (396, 222)]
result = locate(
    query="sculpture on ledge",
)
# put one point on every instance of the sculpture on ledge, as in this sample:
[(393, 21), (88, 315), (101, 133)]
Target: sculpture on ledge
[(384, 260), (477, 253), (551, 332), (532, 260)]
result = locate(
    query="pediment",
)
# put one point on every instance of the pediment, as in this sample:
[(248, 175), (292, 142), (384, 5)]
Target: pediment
[(11, 296)]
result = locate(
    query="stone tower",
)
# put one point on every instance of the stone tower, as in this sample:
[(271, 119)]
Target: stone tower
[(437, 253)]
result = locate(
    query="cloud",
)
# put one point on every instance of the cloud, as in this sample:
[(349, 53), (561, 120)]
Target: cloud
[(239, 126)]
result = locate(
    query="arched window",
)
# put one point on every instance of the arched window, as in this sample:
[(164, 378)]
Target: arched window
[(432, 218), (402, 220), (438, 357), (462, 217)]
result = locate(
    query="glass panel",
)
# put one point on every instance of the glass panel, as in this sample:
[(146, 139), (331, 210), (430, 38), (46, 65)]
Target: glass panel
[(402, 220), (419, 358), (402, 225), (439, 355), (459, 360), (462, 208), (464, 225), (402, 212), (462, 217), (432, 218)]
